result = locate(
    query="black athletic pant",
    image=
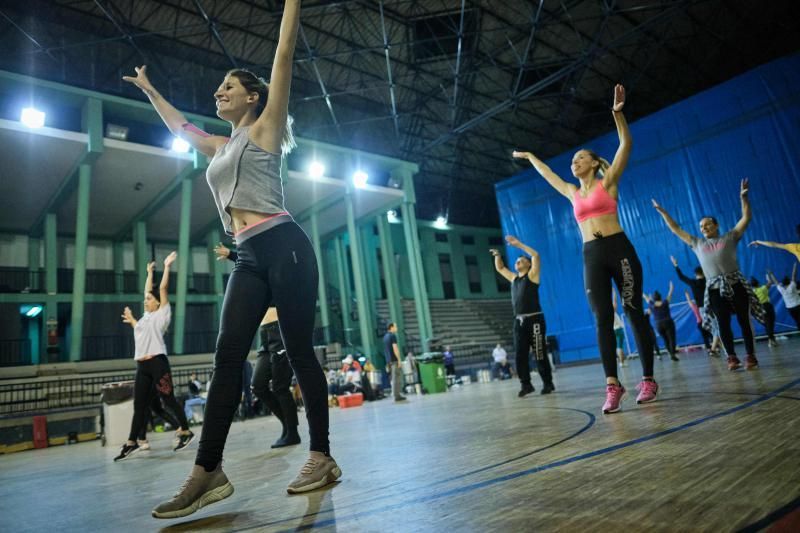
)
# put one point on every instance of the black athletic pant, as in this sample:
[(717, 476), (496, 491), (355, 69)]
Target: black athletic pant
[(275, 267), (272, 366), (795, 313), (723, 309), (153, 377), (708, 338), (157, 409), (666, 328), (614, 258), (530, 334), (769, 320)]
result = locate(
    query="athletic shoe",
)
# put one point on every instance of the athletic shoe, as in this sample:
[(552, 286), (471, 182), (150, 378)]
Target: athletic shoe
[(526, 389), (143, 445), (614, 397), (772, 343), (126, 451), (183, 440), (734, 363), (201, 488), (400, 399), (647, 391), (713, 353), (750, 362), (289, 439), (548, 388), (319, 470), (674, 357)]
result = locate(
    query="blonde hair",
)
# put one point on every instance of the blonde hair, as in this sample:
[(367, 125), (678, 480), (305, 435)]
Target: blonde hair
[(604, 164), (257, 84)]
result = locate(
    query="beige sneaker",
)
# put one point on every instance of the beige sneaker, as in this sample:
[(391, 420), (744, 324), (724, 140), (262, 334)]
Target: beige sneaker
[(201, 488), (319, 470)]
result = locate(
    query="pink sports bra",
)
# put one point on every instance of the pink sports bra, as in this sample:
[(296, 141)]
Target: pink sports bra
[(598, 203)]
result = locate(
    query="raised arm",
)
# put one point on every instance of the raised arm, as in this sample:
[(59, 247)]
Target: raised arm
[(672, 225), (614, 172), (669, 294), (174, 119), (534, 272), (555, 181), (163, 288), (683, 277), (148, 282), (614, 300), (794, 274), (269, 128), (127, 317), (747, 214), (500, 267), (688, 298), (771, 278)]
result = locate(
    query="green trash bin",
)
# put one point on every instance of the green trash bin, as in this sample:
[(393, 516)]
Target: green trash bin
[(431, 371)]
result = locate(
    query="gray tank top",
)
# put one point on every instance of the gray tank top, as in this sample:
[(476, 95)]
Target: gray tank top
[(717, 256), (244, 176)]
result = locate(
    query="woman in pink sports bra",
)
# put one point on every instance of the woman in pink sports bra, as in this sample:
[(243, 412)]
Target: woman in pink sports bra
[(607, 253)]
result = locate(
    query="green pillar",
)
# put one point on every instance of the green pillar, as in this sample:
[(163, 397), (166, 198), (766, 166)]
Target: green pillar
[(215, 268), (51, 275), (183, 265), (34, 258), (79, 272), (344, 287), (141, 255), (119, 267), (359, 279), (486, 266), (430, 261), (415, 260), (324, 310), (371, 263), (390, 277)]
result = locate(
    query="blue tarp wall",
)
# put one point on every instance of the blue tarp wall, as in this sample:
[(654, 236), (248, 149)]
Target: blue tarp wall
[(690, 157)]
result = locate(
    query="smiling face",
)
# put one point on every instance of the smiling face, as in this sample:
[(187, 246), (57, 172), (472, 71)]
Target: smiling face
[(583, 164), (522, 265), (151, 304), (233, 99), (709, 228)]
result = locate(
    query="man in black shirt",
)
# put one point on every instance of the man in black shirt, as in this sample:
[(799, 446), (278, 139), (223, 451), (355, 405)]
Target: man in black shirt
[(529, 324), (391, 351), (698, 288)]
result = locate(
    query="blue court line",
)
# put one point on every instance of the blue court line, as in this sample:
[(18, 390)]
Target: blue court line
[(549, 466)]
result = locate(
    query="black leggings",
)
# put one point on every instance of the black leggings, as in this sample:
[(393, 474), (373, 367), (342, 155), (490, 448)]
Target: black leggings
[(723, 310), (153, 377), (530, 333), (277, 266), (666, 328), (273, 367), (614, 258), (795, 313), (769, 319), (157, 409)]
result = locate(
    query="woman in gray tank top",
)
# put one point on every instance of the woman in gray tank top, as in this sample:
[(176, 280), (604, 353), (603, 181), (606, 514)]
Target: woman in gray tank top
[(727, 290), (276, 263)]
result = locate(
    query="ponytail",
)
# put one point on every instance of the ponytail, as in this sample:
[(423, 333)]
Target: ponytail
[(604, 164)]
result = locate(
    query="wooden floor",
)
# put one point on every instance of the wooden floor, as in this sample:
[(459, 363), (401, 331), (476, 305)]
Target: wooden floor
[(719, 451)]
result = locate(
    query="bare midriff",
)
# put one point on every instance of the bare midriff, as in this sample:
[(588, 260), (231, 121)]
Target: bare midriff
[(600, 226), (242, 218)]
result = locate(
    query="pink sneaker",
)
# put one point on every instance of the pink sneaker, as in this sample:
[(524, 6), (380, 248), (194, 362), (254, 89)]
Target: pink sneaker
[(614, 396), (647, 391)]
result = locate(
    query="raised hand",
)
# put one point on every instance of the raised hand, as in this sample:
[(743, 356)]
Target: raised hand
[(658, 207), (755, 244), (222, 251), (513, 241), (744, 187), (619, 98), (521, 155), (127, 316), (674, 261), (495, 252), (151, 266), (140, 80), (170, 259)]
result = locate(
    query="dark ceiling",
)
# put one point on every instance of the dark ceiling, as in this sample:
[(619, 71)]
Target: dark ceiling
[(453, 85)]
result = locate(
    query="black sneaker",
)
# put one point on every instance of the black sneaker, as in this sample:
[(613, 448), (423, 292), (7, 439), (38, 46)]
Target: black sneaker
[(527, 388), (126, 451), (184, 440), (400, 399), (548, 388)]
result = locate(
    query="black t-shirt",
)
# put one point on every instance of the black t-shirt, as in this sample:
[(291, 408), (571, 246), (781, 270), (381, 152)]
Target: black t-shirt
[(388, 340), (525, 296)]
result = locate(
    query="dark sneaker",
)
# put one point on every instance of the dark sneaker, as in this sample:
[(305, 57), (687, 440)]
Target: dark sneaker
[(526, 389), (734, 363), (183, 441), (750, 362), (319, 470), (674, 357), (201, 488), (290, 439), (400, 399), (126, 451), (548, 388)]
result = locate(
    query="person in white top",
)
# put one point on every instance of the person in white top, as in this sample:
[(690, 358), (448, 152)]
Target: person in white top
[(791, 296), (153, 373), (501, 366)]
